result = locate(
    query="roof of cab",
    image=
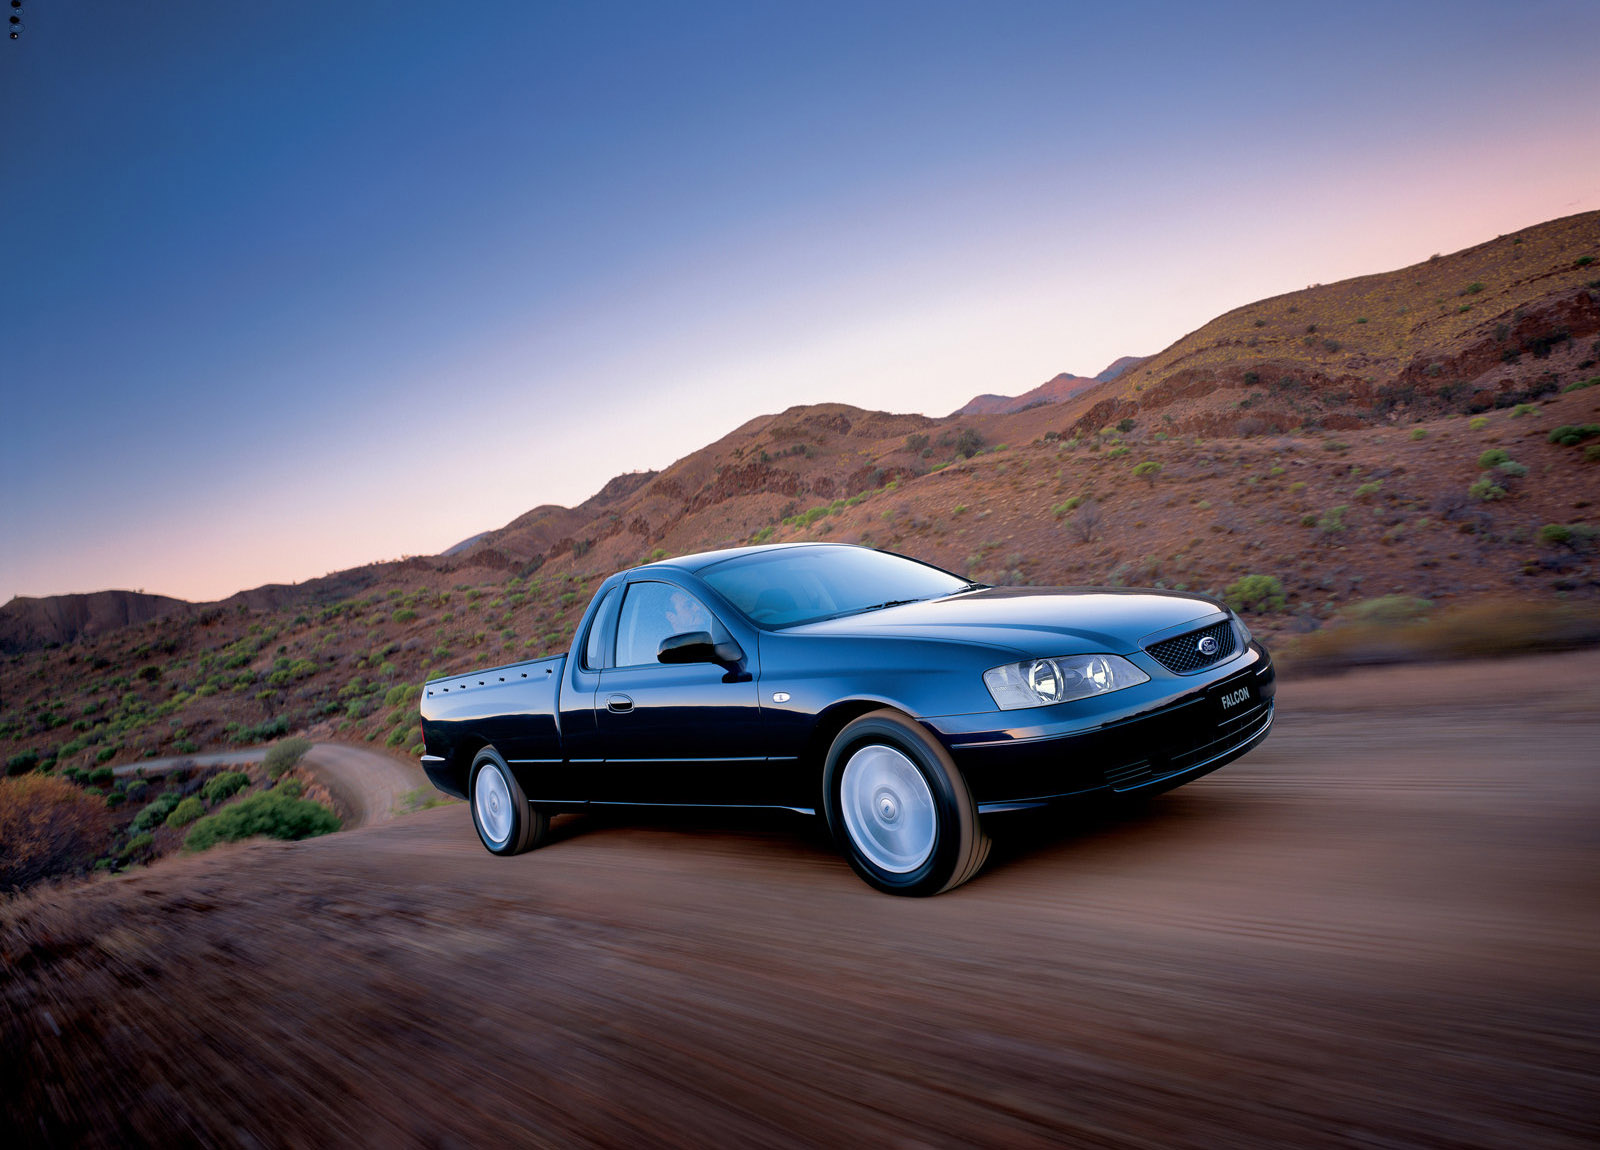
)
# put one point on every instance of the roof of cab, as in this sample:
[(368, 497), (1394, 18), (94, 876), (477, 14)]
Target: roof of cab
[(703, 559)]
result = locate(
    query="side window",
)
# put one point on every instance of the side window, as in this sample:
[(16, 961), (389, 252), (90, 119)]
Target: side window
[(597, 647), (652, 612)]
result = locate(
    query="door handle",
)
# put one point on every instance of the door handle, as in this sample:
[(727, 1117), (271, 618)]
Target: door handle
[(621, 704)]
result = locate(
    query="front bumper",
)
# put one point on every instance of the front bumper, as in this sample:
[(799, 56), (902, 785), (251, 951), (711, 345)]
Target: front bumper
[(1163, 744)]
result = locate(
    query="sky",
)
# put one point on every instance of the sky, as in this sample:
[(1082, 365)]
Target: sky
[(286, 289)]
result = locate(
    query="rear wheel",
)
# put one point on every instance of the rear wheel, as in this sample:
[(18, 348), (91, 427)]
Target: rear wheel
[(505, 822), (899, 807)]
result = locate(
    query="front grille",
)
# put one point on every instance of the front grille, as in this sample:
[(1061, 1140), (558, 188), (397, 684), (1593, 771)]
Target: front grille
[(1182, 656)]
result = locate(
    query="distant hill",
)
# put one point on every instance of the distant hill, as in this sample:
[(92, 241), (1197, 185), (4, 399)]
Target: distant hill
[(1118, 366), (1287, 439), (1058, 390), (28, 624)]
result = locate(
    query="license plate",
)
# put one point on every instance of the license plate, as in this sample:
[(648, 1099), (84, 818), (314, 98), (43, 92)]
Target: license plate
[(1235, 699)]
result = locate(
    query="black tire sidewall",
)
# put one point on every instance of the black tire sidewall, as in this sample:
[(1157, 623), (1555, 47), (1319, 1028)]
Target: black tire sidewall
[(486, 759), (903, 735)]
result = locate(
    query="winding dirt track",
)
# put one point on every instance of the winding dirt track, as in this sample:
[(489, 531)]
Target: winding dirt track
[(1378, 929)]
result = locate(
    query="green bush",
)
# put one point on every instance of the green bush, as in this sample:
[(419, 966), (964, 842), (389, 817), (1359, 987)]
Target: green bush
[(1572, 434), (102, 777), (1331, 522), (275, 813), (1494, 457), (1555, 533), (1148, 470), (404, 615), (136, 790), (186, 812), (224, 786), (1486, 490), (156, 812), (1591, 453), (22, 763), (1256, 593), (1478, 423), (283, 755), (1419, 433), (1512, 468), (1595, 382)]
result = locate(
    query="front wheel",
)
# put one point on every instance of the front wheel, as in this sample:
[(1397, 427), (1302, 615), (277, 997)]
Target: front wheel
[(899, 807), (505, 823)]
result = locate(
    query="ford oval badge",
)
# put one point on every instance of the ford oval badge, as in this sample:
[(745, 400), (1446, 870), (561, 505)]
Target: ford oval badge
[(1207, 645)]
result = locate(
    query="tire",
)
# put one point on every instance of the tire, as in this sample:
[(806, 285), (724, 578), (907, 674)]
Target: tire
[(899, 808), (505, 822)]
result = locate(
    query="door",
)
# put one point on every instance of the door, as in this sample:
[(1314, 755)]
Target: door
[(687, 733)]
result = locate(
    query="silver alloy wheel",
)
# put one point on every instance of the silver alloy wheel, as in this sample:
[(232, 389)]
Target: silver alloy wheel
[(491, 799), (888, 809)]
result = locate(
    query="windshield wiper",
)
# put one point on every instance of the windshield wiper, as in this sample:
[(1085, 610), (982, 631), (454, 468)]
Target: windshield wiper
[(890, 603), (971, 587)]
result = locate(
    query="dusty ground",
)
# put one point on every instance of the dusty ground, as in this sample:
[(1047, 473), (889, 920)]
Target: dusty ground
[(1379, 929)]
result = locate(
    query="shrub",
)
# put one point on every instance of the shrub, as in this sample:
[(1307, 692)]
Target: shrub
[(283, 755), (137, 790), (1085, 525), (1331, 521), (1065, 507), (1478, 423), (137, 844), (1419, 433), (102, 777), (1591, 454), (156, 812), (1512, 468), (22, 763), (1570, 434), (968, 442), (274, 813), (1256, 593), (1148, 470), (1579, 386), (1487, 490), (404, 615), (48, 827), (1368, 490), (224, 786), (1494, 457), (186, 812), (1125, 425), (1555, 534), (1522, 409)]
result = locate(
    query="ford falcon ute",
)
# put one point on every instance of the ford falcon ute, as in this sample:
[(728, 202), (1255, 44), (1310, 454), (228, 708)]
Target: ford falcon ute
[(899, 702)]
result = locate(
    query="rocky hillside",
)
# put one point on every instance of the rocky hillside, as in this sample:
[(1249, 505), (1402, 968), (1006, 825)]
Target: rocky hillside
[(29, 624), (1446, 451)]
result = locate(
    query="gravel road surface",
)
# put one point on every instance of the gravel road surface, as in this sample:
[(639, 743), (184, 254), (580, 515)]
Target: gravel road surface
[(1379, 929)]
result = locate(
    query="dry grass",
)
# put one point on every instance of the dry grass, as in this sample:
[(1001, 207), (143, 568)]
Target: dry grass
[(1483, 629)]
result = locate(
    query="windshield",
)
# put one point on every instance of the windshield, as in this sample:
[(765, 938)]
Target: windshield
[(804, 584)]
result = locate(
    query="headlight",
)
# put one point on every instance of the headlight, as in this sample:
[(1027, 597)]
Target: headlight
[(1244, 632), (1040, 682)]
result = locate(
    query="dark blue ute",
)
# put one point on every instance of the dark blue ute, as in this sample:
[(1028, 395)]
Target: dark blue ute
[(900, 702)]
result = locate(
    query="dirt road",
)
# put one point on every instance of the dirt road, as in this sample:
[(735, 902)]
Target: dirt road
[(1379, 929)]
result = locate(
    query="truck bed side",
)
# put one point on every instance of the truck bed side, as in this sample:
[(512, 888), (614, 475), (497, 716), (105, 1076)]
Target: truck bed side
[(514, 707)]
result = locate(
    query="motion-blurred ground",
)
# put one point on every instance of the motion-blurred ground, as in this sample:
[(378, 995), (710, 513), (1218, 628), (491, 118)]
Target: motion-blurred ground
[(1378, 929)]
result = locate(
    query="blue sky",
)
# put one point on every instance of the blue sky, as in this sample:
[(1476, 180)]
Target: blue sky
[(287, 289)]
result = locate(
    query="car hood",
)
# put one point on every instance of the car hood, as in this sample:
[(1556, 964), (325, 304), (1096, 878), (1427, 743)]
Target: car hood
[(1032, 620)]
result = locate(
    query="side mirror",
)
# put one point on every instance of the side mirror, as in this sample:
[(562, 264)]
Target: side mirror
[(697, 647)]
